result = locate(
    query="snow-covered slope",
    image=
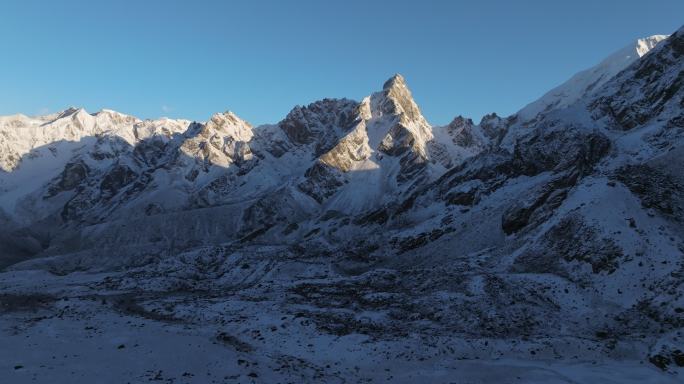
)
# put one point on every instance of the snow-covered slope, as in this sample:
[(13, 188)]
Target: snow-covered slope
[(36, 150), (588, 81)]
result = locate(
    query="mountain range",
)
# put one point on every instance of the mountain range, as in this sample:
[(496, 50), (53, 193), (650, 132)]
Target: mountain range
[(553, 233)]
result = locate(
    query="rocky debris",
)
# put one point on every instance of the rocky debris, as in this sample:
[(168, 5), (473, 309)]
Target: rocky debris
[(571, 240), (391, 304), (538, 205), (666, 357), (134, 305), (667, 136), (25, 302), (655, 188), (234, 342)]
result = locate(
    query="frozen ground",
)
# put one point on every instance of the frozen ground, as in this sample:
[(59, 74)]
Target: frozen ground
[(67, 329)]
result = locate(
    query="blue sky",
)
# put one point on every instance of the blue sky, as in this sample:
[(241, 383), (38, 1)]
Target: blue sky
[(260, 58)]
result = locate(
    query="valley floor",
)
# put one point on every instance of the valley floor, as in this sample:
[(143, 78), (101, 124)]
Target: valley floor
[(69, 329)]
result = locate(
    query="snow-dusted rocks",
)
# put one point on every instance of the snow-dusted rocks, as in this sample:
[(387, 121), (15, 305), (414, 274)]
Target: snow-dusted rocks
[(587, 82), (222, 141), (650, 88), (320, 124), (409, 132)]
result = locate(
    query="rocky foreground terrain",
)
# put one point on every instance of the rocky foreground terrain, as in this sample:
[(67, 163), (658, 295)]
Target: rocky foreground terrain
[(353, 241)]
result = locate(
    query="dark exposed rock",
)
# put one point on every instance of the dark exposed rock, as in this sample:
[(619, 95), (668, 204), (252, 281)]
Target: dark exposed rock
[(557, 147), (117, 177), (479, 175), (234, 342), (153, 209), (678, 357), (419, 240), (495, 127), (568, 151), (378, 216), (462, 132), (75, 208), (72, 176), (276, 208), (538, 204), (667, 357), (660, 361), (570, 240), (398, 140), (412, 164), (466, 195), (321, 181), (24, 302), (655, 188), (152, 152), (320, 123)]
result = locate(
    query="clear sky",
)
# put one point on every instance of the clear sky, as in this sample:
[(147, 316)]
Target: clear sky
[(190, 59)]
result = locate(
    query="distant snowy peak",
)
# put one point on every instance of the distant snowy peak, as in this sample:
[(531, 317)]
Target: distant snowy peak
[(222, 141), (21, 135), (645, 45), (462, 138), (588, 81), (230, 125)]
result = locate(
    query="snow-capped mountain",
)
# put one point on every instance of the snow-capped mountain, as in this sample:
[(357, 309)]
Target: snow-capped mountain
[(337, 156), (588, 81), (551, 236)]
